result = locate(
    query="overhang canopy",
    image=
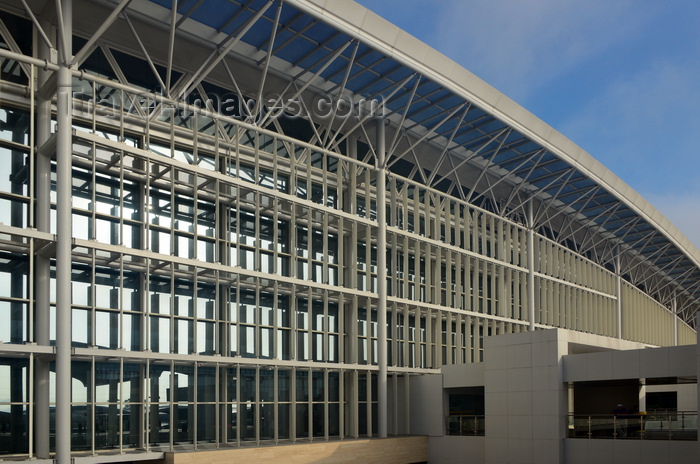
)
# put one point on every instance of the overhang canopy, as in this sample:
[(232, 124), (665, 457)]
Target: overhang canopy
[(447, 128)]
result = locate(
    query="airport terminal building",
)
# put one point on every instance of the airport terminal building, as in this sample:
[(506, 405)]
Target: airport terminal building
[(231, 225)]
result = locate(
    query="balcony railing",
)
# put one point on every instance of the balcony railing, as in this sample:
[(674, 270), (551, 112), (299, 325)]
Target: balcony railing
[(676, 425), (466, 425)]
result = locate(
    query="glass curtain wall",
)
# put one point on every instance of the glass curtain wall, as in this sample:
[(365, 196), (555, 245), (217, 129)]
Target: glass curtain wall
[(224, 278)]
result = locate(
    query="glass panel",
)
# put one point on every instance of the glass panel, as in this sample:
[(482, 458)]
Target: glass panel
[(106, 382), (247, 346), (283, 311), (267, 387), (15, 434), (206, 301), (283, 413), (13, 212), (247, 385), (159, 423), (131, 332), (13, 275), (206, 337), (233, 339), (230, 374), (333, 386), (160, 334), (362, 387), (184, 299), (81, 422), (318, 315), (183, 338), (333, 348), (81, 327), (13, 380), (231, 417), (160, 295), (302, 420), (302, 386), (319, 429), (247, 308), (266, 309), (318, 386), (267, 422), (108, 324), (106, 425), (362, 419), (318, 346), (283, 385), (131, 428), (247, 421), (206, 423), (184, 416), (13, 322), (80, 386), (266, 343), (183, 383), (283, 340), (159, 388), (333, 419), (375, 417), (206, 385)]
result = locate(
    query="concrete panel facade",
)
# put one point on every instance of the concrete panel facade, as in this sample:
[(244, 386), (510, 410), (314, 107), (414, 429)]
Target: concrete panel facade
[(523, 419), (426, 405), (450, 449)]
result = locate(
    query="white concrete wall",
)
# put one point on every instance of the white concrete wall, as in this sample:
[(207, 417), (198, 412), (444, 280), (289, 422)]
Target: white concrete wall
[(525, 379), (525, 398), (676, 361), (582, 451), (452, 449), (463, 375), (427, 405)]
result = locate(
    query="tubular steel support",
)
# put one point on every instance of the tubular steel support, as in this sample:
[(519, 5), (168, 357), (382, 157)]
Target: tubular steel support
[(618, 292), (43, 263), (674, 310), (531, 265), (64, 240), (381, 278)]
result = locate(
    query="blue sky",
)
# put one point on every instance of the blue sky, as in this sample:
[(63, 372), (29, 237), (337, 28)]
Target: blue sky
[(620, 78)]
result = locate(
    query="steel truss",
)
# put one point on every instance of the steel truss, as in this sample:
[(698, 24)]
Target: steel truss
[(487, 231)]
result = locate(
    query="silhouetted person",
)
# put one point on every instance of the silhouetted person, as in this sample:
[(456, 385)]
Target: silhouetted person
[(620, 414)]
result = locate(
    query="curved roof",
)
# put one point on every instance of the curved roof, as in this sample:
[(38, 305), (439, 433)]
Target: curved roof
[(447, 128)]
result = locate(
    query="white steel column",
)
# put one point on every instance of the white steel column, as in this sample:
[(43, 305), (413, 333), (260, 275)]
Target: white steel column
[(381, 279), (531, 265), (618, 293), (63, 237), (43, 262), (674, 310)]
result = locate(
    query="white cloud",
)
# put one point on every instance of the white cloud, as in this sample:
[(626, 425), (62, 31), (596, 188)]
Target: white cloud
[(520, 46), (644, 128), (624, 74)]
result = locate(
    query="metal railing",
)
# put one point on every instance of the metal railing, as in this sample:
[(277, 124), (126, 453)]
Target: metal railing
[(466, 425), (658, 425)]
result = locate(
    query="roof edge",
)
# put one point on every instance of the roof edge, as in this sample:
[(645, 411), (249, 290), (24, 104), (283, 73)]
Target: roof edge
[(358, 21)]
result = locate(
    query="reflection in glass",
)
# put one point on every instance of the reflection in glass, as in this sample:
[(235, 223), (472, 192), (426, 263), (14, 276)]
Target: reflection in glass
[(267, 422), (319, 429), (283, 418), (247, 421), (302, 425)]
